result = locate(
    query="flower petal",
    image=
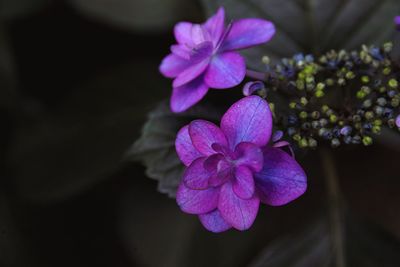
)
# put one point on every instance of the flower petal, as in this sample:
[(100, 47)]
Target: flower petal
[(181, 51), (200, 34), (200, 52), (250, 87), (248, 32), (215, 25), (212, 162), (187, 153), (248, 120), (221, 169), (196, 176), (187, 95), (240, 213), (183, 33), (225, 70), (250, 155), (214, 222), (243, 185), (204, 134), (173, 65), (281, 179), (191, 73), (197, 201)]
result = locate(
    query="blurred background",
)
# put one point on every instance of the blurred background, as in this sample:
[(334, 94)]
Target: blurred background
[(77, 80)]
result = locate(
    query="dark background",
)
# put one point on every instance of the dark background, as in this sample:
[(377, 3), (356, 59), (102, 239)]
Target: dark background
[(75, 91)]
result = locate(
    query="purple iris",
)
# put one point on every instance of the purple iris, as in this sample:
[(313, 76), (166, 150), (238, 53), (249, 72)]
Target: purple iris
[(205, 56), (230, 168), (397, 22)]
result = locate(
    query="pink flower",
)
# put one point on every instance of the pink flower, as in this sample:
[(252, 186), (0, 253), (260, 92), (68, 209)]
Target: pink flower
[(230, 168), (205, 56)]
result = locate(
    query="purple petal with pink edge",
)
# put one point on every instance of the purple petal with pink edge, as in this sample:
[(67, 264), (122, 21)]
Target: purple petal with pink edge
[(214, 222), (173, 65), (183, 33), (197, 201), (200, 34), (281, 180), (398, 121), (191, 73), (248, 120), (277, 136), (240, 213), (187, 153), (223, 150), (248, 32), (243, 185), (211, 163), (250, 155), (181, 51), (221, 177), (201, 52), (187, 95), (215, 25), (196, 176), (204, 134), (225, 70), (221, 169), (250, 87)]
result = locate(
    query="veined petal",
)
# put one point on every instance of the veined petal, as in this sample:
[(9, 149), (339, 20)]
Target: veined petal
[(185, 96), (240, 213), (248, 32), (215, 25), (281, 180), (214, 222), (221, 169), (225, 70), (243, 185), (183, 33), (197, 201), (187, 153), (212, 162), (248, 120), (191, 73), (200, 52), (173, 65), (196, 176), (200, 34), (250, 155), (204, 134), (181, 51)]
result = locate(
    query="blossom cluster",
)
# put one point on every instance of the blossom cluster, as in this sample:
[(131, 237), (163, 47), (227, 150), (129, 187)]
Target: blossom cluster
[(232, 168), (341, 97)]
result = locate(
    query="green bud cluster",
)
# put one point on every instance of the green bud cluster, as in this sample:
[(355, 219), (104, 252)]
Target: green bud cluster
[(341, 97)]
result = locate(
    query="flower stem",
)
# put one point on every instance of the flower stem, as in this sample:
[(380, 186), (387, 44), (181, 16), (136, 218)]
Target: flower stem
[(256, 75), (335, 204)]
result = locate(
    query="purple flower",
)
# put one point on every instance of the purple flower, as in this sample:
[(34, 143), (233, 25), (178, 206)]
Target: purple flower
[(205, 56), (230, 168), (397, 22)]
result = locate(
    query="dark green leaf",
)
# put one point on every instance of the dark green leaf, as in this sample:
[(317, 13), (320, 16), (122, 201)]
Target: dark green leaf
[(365, 245), (63, 151), (156, 146)]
